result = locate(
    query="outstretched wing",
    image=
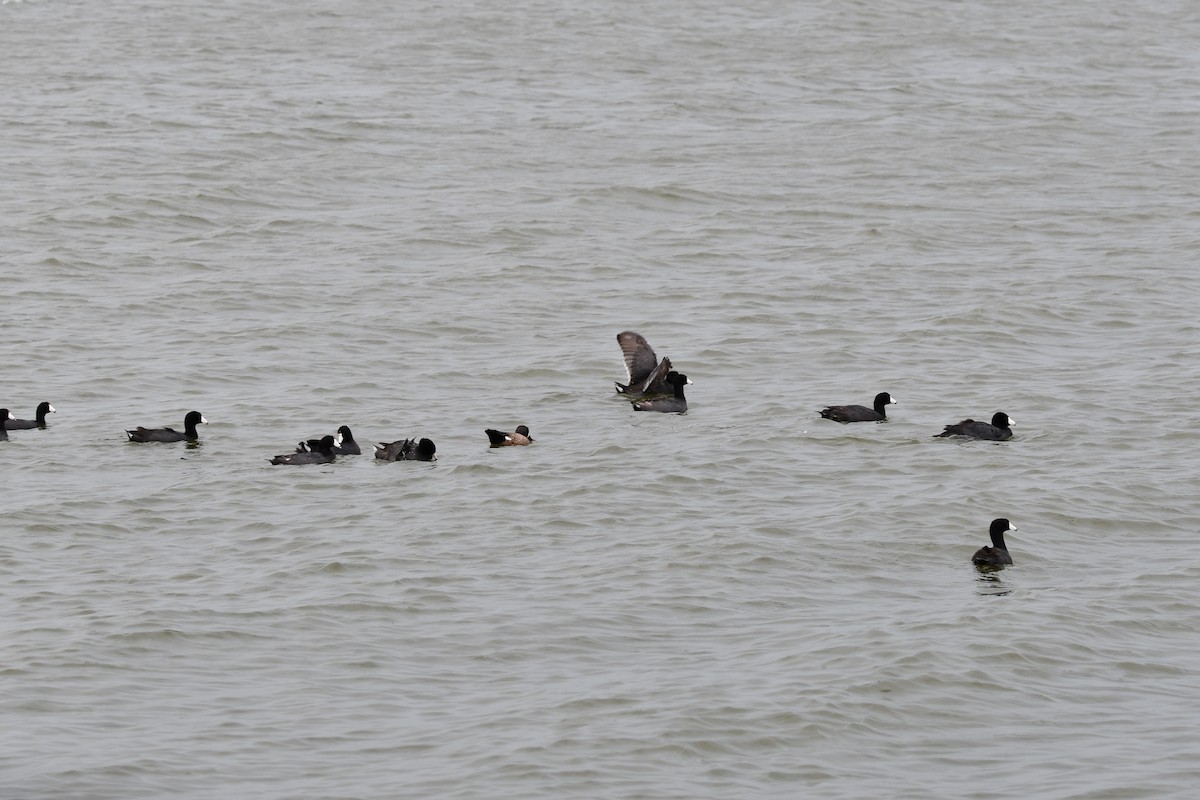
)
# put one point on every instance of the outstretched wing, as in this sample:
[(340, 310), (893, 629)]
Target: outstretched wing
[(640, 360)]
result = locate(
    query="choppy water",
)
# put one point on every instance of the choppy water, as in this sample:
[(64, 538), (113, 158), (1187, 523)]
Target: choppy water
[(425, 220)]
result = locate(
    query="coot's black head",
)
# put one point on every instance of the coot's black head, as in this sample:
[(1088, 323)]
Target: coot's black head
[(425, 449), (882, 399), (346, 435), (1000, 527), (1002, 420), (193, 419), (324, 445)]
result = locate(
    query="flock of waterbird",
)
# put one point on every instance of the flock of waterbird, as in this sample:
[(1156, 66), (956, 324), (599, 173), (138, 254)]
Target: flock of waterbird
[(660, 388), (651, 385)]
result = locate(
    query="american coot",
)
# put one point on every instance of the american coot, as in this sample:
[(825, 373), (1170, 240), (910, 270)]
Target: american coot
[(996, 555), (5, 416), (190, 422), (43, 409), (320, 452), (647, 375), (406, 450), (676, 404), (860, 413), (998, 430), (501, 439), (340, 449), (315, 444), (346, 446)]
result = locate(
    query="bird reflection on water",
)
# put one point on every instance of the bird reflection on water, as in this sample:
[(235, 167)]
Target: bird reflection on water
[(990, 584)]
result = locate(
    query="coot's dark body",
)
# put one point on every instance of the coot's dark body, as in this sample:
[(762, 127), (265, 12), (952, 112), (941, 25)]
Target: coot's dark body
[(189, 434), (406, 450), (999, 429), (320, 452), (676, 403), (43, 409), (845, 414), (997, 555)]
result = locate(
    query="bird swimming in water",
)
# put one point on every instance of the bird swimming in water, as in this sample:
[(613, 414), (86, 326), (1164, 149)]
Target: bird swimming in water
[(43, 409), (996, 555), (346, 446), (677, 403), (520, 436), (320, 452), (406, 450), (998, 430), (189, 434), (845, 414)]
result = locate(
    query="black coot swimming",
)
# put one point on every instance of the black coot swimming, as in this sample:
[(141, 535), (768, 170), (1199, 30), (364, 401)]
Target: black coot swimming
[(860, 413), (43, 409), (998, 430), (5, 416), (189, 434), (320, 452), (996, 555), (346, 446), (677, 403), (647, 375), (406, 450), (520, 436)]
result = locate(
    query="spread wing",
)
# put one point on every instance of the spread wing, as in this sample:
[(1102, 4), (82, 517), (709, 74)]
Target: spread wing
[(640, 360)]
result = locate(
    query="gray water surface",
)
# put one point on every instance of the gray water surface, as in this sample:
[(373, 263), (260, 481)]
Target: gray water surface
[(431, 219)]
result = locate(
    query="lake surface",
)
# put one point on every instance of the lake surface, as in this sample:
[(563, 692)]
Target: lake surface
[(427, 219)]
